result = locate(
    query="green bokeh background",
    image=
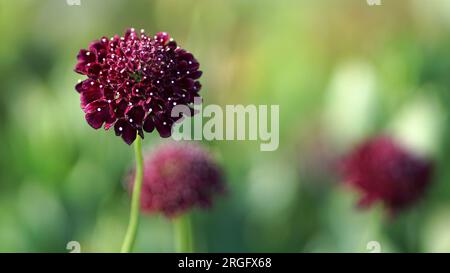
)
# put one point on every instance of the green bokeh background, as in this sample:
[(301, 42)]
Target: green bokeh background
[(340, 71)]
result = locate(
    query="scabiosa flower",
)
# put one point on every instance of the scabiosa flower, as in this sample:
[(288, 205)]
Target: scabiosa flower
[(178, 177), (134, 81), (382, 170)]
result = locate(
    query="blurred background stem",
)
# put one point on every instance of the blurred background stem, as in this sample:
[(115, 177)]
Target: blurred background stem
[(130, 236), (183, 234)]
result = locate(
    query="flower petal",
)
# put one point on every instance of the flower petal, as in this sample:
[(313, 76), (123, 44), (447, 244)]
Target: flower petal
[(163, 124), (136, 116), (149, 125), (97, 113), (126, 130), (90, 93)]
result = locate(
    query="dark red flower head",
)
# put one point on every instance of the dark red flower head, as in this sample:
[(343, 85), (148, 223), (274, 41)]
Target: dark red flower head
[(382, 170), (178, 177), (134, 81)]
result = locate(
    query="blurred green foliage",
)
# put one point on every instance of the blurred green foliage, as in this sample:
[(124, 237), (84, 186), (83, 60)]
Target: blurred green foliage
[(340, 71)]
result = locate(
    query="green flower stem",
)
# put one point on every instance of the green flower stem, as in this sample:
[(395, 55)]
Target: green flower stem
[(130, 236), (183, 234)]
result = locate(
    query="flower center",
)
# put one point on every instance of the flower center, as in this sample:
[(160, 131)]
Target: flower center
[(137, 76)]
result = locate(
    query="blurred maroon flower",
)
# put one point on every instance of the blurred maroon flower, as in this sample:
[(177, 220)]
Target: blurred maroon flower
[(178, 177), (134, 81), (384, 171)]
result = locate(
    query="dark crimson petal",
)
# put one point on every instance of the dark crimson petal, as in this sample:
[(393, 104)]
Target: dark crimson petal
[(90, 94), (186, 83), (95, 105), (93, 69), (162, 37), (172, 45), (149, 125), (182, 67), (97, 46), (118, 127), (153, 104), (185, 56), (95, 119), (101, 56), (163, 124), (129, 33), (136, 100), (108, 93), (136, 115), (80, 68), (126, 130), (121, 106), (197, 86), (194, 65), (110, 117), (195, 75), (86, 56), (129, 134), (79, 87), (138, 90), (97, 113)]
